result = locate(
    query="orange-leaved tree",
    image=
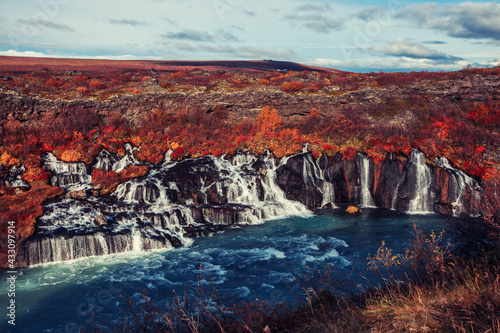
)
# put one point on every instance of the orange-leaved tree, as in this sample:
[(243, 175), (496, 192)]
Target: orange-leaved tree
[(268, 121)]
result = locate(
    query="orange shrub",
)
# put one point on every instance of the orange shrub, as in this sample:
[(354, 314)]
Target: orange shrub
[(268, 121), (71, 155), (293, 86), (7, 159)]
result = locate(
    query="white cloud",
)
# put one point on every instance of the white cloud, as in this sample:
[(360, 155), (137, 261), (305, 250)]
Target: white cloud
[(317, 17), (13, 53), (387, 64)]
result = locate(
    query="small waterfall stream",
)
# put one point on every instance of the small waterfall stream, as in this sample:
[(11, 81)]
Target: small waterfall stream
[(421, 203), (364, 177), (70, 176), (460, 183)]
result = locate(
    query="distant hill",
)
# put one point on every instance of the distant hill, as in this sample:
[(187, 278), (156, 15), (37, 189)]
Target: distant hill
[(29, 64)]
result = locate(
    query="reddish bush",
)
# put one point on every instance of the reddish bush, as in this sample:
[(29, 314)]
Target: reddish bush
[(293, 87), (108, 181)]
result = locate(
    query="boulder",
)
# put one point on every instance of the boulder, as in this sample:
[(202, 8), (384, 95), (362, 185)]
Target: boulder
[(443, 208), (101, 221), (76, 195), (353, 210)]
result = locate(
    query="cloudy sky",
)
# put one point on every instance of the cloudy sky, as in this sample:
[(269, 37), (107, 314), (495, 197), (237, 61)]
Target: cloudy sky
[(360, 36)]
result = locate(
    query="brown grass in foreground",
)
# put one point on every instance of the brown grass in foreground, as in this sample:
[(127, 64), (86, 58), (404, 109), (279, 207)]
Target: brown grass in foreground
[(426, 290)]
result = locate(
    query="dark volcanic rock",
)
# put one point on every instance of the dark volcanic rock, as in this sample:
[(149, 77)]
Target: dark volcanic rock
[(300, 180), (387, 177), (344, 174)]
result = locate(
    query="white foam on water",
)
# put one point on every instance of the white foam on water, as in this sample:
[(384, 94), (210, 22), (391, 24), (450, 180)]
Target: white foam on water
[(265, 285), (275, 253), (242, 292)]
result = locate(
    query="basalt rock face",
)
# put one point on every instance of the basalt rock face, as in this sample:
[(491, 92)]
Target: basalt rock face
[(386, 178), (413, 186), (303, 180), (177, 201)]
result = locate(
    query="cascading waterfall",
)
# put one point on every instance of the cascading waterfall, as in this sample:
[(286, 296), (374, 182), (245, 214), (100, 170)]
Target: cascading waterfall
[(314, 176), (417, 180), (157, 211), (51, 249), (70, 176), (421, 201), (461, 182), (136, 240), (14, 177), (242, 188), (364, 177)]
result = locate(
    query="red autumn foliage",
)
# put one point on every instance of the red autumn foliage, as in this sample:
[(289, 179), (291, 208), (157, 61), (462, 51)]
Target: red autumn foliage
[(293, 87), (108, 181)]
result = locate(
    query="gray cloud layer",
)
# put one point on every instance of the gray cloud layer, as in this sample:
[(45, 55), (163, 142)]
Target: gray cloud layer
[(201, 36), (465, 20), (405, 47), (47, 24), (245, 51), (133, 23), (312, 17)]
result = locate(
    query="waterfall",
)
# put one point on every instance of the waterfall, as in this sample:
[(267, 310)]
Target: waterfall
[(68, 175), (364, 179), (395, 197), (57, 248), (136, 240), (314, 176), (14, 177), (461, 183), (244, 187), (165, 208), (111, 162), (139, 191), (179, 200), (415, 184), (421, 202)]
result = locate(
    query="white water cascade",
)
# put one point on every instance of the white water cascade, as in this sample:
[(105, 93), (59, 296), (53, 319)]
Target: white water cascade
[(364, 178), (70, 176), (421, 203), (461, 182), (157, 211), (257, 190)]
